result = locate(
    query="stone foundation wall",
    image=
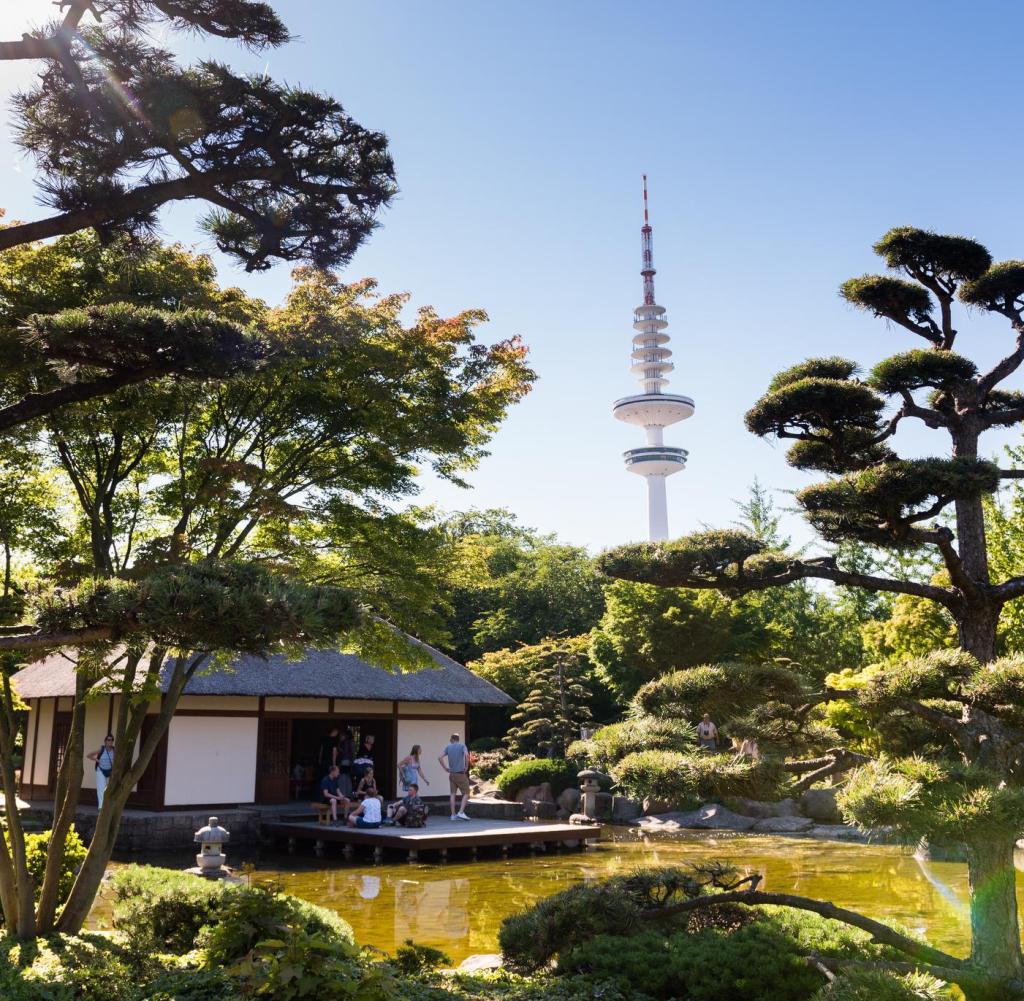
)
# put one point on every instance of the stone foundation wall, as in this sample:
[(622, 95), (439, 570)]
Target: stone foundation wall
[(157, 832)]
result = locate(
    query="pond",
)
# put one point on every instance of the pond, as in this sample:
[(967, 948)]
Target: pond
[(458, 907)]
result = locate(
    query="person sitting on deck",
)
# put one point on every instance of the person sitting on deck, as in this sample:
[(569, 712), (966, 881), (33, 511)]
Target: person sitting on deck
[(411, 811), (367, 787), (331, 791), (367, 814)]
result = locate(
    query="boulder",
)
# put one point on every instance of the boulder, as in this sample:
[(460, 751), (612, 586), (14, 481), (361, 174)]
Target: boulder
[(544, 793), (540, 809), (838, 832), (783, 825), (656, 806), (785, 808), (568, 802), (752, 807), (709, 817), (820, 805), (526, 794), (625, 809), (481, 962)]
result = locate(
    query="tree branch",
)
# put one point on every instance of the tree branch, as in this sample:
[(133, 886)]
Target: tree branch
[(1007, 366), (881, 933), (1008, 590), (951, 974), (70, 638)]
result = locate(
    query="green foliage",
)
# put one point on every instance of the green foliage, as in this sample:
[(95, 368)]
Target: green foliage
[(814, 368), (509, 586), (882, 505), (163, 911), (915, 626), (760, 960), (251, 914), (893, 298), (646, 631), (1000, 288), (687, 780), (925, 254), (37, 847), (918, 369), (880, 985), (411, 958), (555, 710), (610, 744), (533, 771)]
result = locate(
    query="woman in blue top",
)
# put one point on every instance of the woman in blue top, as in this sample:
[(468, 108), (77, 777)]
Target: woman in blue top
[(410, 771), (104, 759)]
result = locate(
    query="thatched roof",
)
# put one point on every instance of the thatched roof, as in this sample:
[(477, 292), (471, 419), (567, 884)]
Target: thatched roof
[(320, 673)]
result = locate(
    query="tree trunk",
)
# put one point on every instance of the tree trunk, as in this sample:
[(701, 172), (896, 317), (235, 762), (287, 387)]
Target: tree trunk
[(970, 516), (976, 631), (995, 932)]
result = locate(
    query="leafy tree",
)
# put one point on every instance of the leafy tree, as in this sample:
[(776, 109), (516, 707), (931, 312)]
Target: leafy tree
[(647, 631), (117, 130), (964, 781), (509, 585), (237, 515), (557, 706)]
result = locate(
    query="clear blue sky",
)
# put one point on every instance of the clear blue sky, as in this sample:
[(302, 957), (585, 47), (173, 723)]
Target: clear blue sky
[(781, 139)]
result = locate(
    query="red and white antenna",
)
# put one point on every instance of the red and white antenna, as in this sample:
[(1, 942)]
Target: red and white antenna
[(647, 254)]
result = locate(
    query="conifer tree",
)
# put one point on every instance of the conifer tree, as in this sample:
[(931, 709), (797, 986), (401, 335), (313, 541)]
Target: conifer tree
[(957, 771)]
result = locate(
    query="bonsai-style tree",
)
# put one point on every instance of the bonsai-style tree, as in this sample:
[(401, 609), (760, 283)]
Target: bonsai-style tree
[(549, 719), (117, 129), (956, 773)]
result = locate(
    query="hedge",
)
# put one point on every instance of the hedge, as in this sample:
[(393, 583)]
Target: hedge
[(610, 744), (533, 771), (687, 780)]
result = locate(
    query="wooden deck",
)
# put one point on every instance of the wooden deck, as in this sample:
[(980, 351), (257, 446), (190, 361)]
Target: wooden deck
[(440, 836)]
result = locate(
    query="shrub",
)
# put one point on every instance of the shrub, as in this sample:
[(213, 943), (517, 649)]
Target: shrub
[(488, 764), (531, 939), (37, 847), (411, 958), (877, 985), (251, 914), (163, 911), (485, 744), (686, 780), (761, 960), (532, 771), (610, 744)]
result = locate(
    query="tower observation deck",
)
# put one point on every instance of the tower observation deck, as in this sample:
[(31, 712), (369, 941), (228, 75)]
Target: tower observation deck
[(653, 409)]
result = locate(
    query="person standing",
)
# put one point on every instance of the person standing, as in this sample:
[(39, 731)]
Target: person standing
[(454, 759), (328, 754), (364, 757), (346, 755), (707, 735), (410, 771), (104, 759)]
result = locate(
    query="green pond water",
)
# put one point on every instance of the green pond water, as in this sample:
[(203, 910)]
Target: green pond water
[(459, 906)]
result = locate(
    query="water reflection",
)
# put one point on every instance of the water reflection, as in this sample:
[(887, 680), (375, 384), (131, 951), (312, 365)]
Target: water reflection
[(458, 907)]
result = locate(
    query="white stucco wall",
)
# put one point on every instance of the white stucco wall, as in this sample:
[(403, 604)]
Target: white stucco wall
[(96, 718), (211, 759), (431, 708), (432, 735), (42, 753)]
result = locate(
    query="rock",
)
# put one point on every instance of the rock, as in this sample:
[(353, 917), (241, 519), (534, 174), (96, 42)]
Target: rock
[(604, 805), (480, 962), (625, 809), (544, 793), (783, 825), (785, 808), (526, 794), (656, 806), (838, 832), (709, 817), (569, 800), (820, 805), (751, 807), (540, 809)]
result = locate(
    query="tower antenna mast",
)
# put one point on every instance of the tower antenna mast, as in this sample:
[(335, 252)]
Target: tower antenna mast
[(653, 409)]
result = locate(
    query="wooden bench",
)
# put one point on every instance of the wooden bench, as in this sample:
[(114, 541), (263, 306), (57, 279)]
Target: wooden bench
[(322, 811)]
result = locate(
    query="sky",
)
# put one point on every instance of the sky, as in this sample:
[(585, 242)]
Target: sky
[(780, 141)]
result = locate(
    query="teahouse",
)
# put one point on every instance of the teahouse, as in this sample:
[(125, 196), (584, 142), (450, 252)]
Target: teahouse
[(250, 733)]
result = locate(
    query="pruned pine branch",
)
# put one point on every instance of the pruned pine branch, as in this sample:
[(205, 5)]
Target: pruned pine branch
[(950, 974), (1005, 367), (881, 933)]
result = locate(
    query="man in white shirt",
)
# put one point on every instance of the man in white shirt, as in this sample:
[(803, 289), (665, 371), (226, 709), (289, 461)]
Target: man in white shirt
[(367, 814)]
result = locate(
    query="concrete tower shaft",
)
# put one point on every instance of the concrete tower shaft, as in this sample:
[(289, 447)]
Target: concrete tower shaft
[(653, 409)]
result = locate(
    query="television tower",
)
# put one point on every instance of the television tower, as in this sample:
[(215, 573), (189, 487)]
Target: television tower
[(653, 409)]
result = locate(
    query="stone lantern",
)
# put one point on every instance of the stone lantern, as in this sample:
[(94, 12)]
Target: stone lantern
[(210, 860), (590, 786)]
